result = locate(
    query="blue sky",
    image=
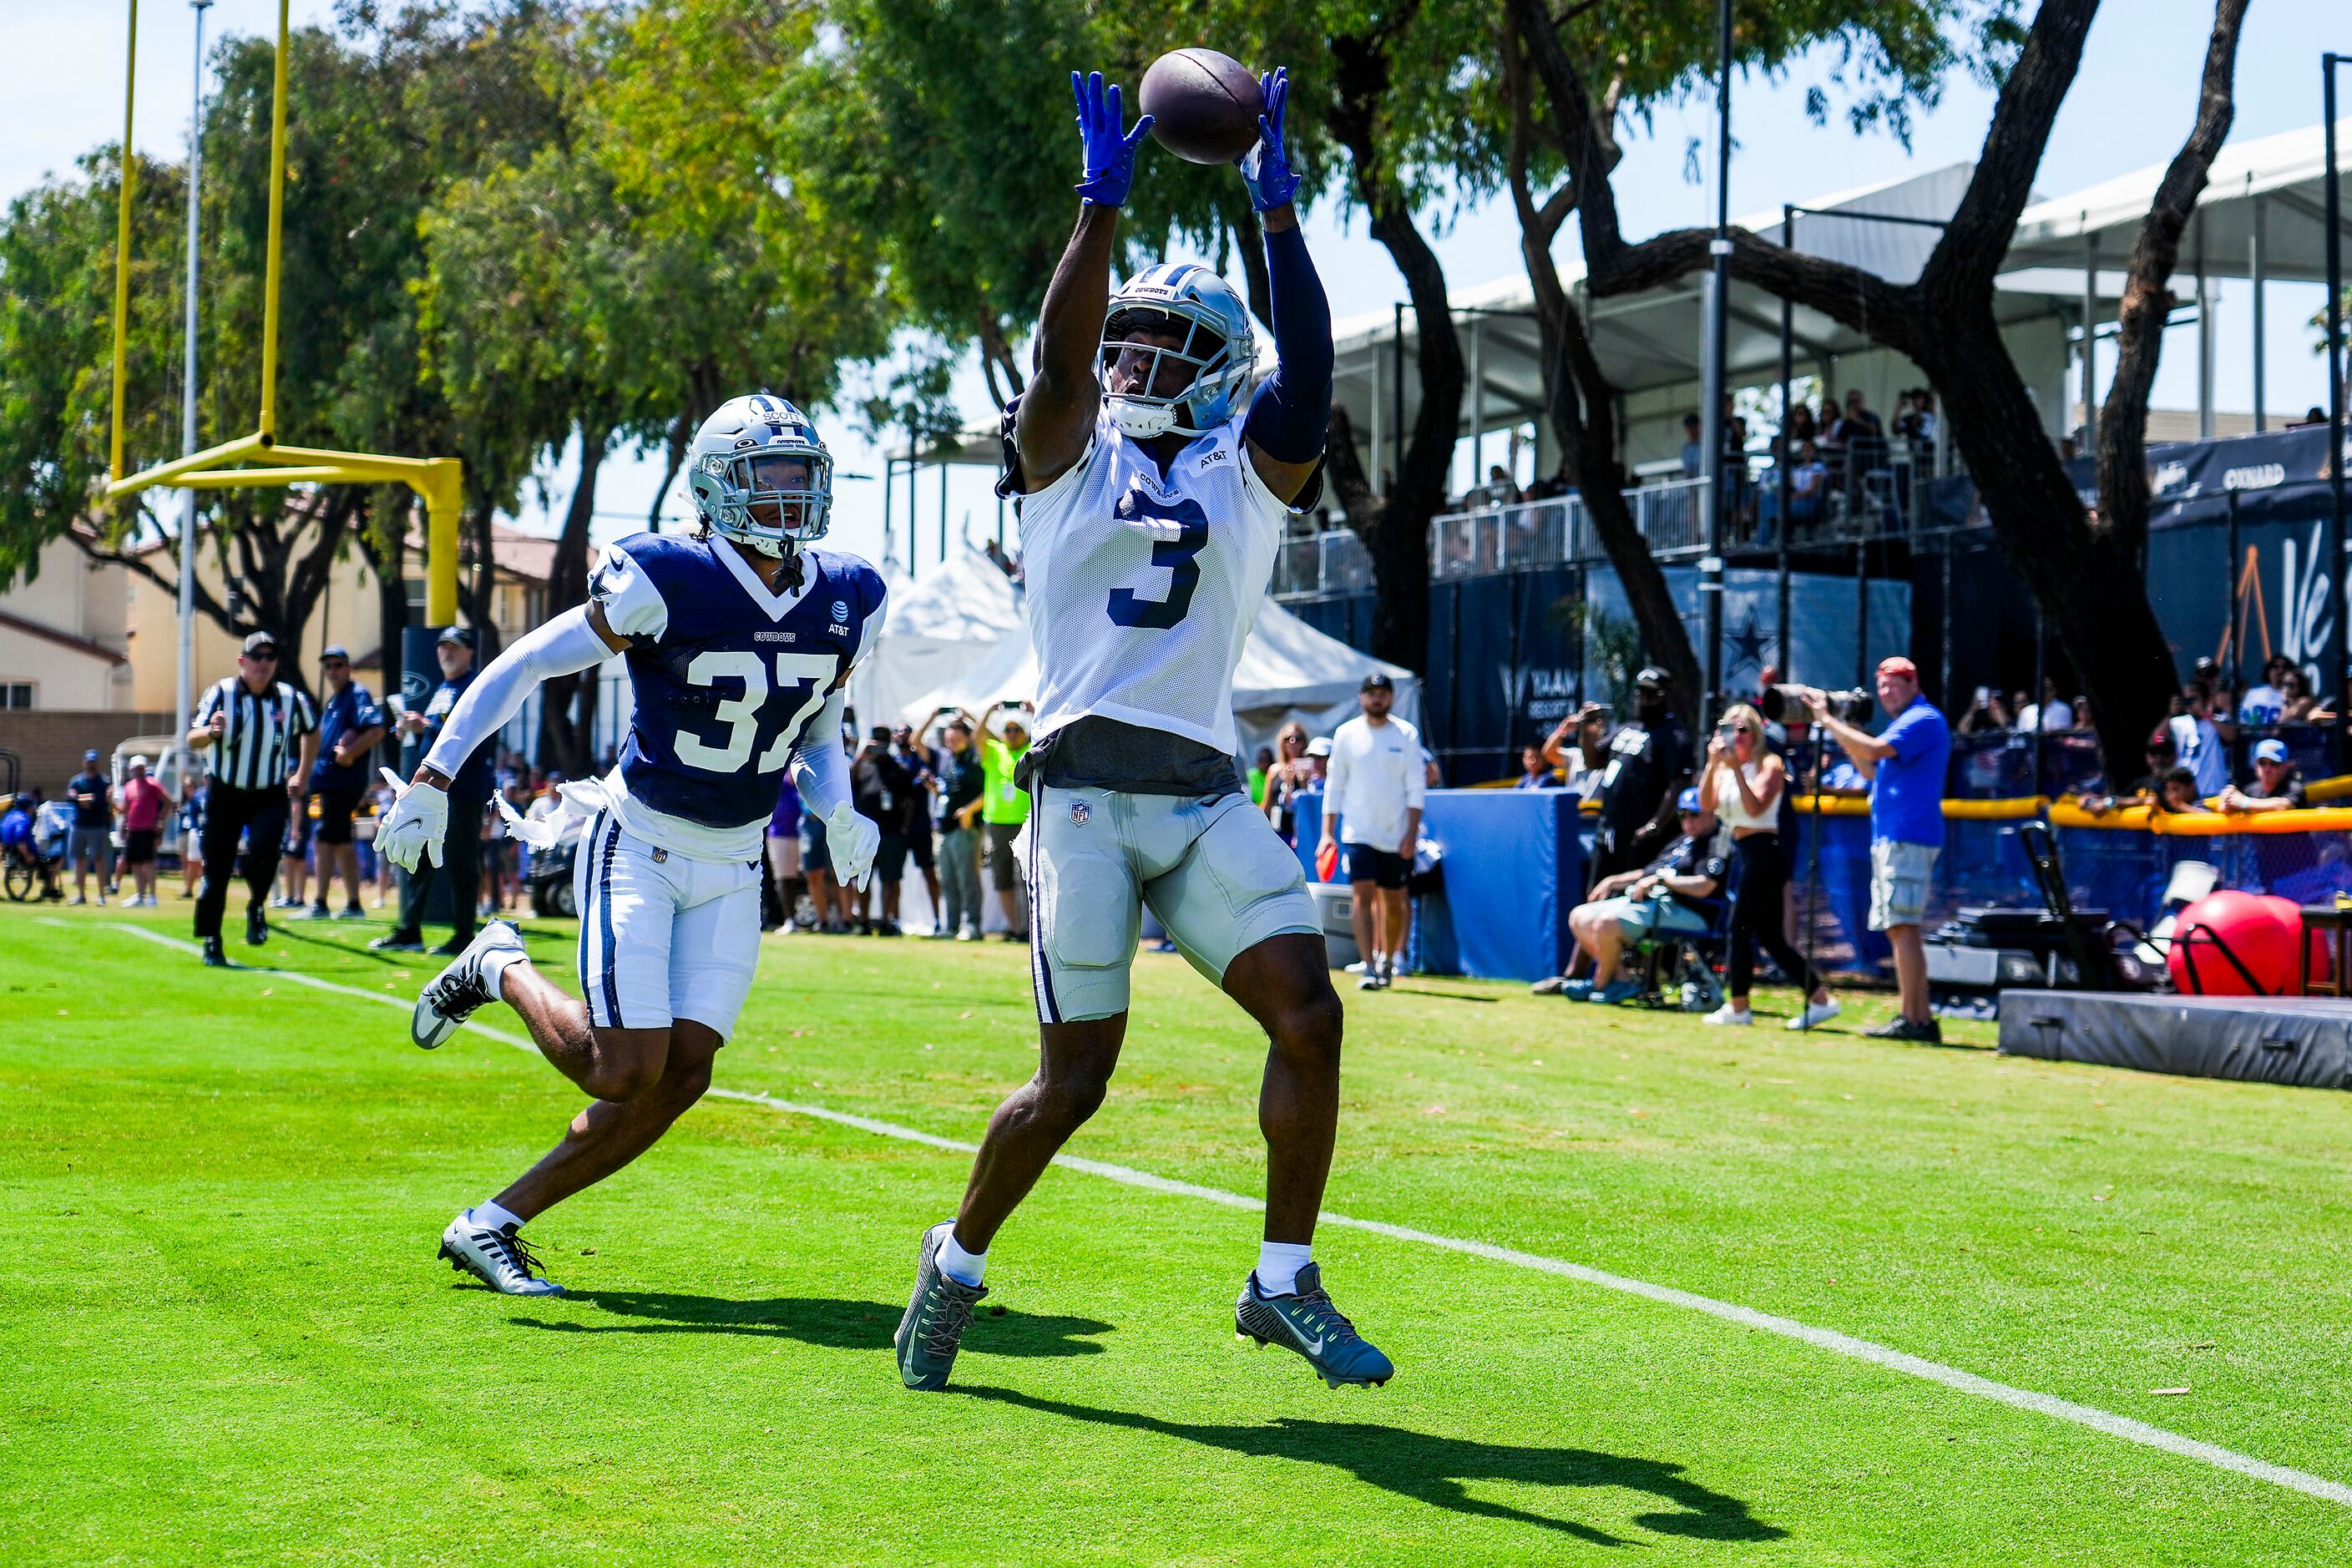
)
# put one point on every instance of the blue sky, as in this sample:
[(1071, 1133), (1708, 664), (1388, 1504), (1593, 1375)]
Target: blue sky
[(2131, 106)]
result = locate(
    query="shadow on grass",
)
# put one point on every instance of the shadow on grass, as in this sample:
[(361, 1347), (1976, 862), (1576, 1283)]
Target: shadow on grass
[(818, 1321), (1432, 1469)]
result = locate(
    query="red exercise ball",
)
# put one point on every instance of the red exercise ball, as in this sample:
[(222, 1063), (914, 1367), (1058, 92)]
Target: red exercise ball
[(2253, 930)]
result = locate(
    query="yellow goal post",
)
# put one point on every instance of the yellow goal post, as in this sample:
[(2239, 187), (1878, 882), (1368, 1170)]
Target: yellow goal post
[(438, 481)]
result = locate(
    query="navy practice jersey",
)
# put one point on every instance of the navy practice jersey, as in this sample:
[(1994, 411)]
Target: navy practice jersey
[(726, 676)]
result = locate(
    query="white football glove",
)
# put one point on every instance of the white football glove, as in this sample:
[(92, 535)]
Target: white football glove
[(416, 826), (851, 840)]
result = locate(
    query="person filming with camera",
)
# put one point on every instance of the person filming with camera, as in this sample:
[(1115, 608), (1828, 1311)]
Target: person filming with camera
[(1905, 765)]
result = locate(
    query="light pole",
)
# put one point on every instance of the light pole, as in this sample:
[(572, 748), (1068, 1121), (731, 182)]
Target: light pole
[(1712, 428), (184, 689), (2328, 62)]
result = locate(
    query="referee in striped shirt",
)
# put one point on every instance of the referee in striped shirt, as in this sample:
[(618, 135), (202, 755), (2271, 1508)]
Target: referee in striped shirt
[(264, 737)]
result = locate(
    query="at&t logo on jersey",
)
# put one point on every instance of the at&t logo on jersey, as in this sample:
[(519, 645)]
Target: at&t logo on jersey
[(840, 626)]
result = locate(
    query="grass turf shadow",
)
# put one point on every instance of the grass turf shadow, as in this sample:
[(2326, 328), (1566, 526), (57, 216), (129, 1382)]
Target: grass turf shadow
[(1432, 1470), (822, 1321)]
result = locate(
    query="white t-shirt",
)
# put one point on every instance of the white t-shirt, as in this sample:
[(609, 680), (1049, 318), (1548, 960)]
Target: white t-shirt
[(2201, 751), (2061, 717), (1375, 776), (1142, 590), (2263, 704)]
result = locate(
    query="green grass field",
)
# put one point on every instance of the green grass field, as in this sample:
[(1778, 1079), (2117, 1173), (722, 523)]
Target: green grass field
[(224, 1336)]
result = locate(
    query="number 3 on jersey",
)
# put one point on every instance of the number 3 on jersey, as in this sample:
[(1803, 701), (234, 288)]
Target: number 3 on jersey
[(1181, 556), (741, 714)]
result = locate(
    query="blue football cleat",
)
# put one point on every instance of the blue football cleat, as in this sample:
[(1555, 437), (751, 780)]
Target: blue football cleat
[(1308, 1323)]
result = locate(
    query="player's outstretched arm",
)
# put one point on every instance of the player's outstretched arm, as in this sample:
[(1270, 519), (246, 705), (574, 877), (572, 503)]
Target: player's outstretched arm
[(1292, 412), (1057, 410), (575, 641)]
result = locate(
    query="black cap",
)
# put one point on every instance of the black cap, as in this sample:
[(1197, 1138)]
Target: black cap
[(463, 637), (334, 650), (260, 642), (1651, 675), (1378, 681)]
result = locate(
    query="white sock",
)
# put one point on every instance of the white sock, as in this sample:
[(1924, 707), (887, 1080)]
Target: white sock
[(1278, 1263), (495, 963), (489, 1215), (964, 1268)]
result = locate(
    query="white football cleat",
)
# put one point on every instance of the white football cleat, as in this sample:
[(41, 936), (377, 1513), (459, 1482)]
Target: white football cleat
[(469, 983), (498, 1258)]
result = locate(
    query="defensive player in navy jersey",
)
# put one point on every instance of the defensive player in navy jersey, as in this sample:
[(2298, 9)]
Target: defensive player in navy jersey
[(739, 643), (1156, 487)]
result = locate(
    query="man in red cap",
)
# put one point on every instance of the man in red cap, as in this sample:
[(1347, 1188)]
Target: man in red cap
[(1905, 765)]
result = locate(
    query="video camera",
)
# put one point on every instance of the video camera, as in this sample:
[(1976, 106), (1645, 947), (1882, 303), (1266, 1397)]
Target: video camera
[(1855, 706)]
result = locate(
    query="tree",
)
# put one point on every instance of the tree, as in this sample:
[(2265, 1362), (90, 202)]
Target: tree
[(2084, 574), (2148, 289), (1891, 58)]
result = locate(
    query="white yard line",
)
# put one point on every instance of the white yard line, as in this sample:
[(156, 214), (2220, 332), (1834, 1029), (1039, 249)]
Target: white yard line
[(2097, 1420)]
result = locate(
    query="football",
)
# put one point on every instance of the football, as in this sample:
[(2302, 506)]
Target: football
[(1203, 105)]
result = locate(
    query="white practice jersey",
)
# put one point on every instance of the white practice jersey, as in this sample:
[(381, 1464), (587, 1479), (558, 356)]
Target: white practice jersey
[(1141, 591)]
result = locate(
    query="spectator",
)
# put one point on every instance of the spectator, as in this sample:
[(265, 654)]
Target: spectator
[(90, 846), (2181, 792), (383, 796), (2198, 742), (2295, 690), (2276, 785), (1986, 713), (1906, 766), (879, 785), (1500, 490), (2161, 757), (922, 774), (1535, 768), (1372, 803), (145, 805), (263, 737), (961, 784), (1860, 434), (1583, 761), (469, 792), (1809, 488), (1005, 809), (1292, 773), (2265, 702), (1319, 761), (1742, 784), (1649, 762), (191, 823), (1694, 448), (2053, 713), (1260, 765), (53, 826), (20, 840), (828, 899), (783, 845), (2315, 415), (1668, 895), (349, 726)]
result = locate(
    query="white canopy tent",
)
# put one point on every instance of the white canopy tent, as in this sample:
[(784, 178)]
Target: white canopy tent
[(1289, 670), (935, 629)]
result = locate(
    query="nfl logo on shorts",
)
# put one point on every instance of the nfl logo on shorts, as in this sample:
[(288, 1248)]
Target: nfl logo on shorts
[(1080, 812)]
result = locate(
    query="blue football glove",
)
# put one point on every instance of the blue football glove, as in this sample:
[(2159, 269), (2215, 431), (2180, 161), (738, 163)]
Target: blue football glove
[(1265, 170), (1109, 156)]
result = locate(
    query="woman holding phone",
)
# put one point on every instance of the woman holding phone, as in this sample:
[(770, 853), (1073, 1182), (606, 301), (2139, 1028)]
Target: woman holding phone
[(1741, 784)]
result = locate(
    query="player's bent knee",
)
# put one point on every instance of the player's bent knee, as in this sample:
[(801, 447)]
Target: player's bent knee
[(626, 1062)]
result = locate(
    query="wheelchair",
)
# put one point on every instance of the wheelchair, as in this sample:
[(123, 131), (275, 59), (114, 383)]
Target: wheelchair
[(1678, 969), (25, 872)]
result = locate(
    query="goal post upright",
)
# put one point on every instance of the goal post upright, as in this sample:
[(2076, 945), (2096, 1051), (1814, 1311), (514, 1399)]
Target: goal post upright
[(439, 482)]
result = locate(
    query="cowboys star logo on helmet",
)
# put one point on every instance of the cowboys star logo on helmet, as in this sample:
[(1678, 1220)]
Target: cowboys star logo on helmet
[(761, 476)]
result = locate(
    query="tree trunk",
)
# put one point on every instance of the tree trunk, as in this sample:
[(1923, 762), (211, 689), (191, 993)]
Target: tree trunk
[(1395, 531), (567, 703), (2087, 586), (2148, 295)]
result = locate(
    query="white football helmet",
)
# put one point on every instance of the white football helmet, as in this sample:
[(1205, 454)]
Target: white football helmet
[(761, 476), (1189, 302)]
